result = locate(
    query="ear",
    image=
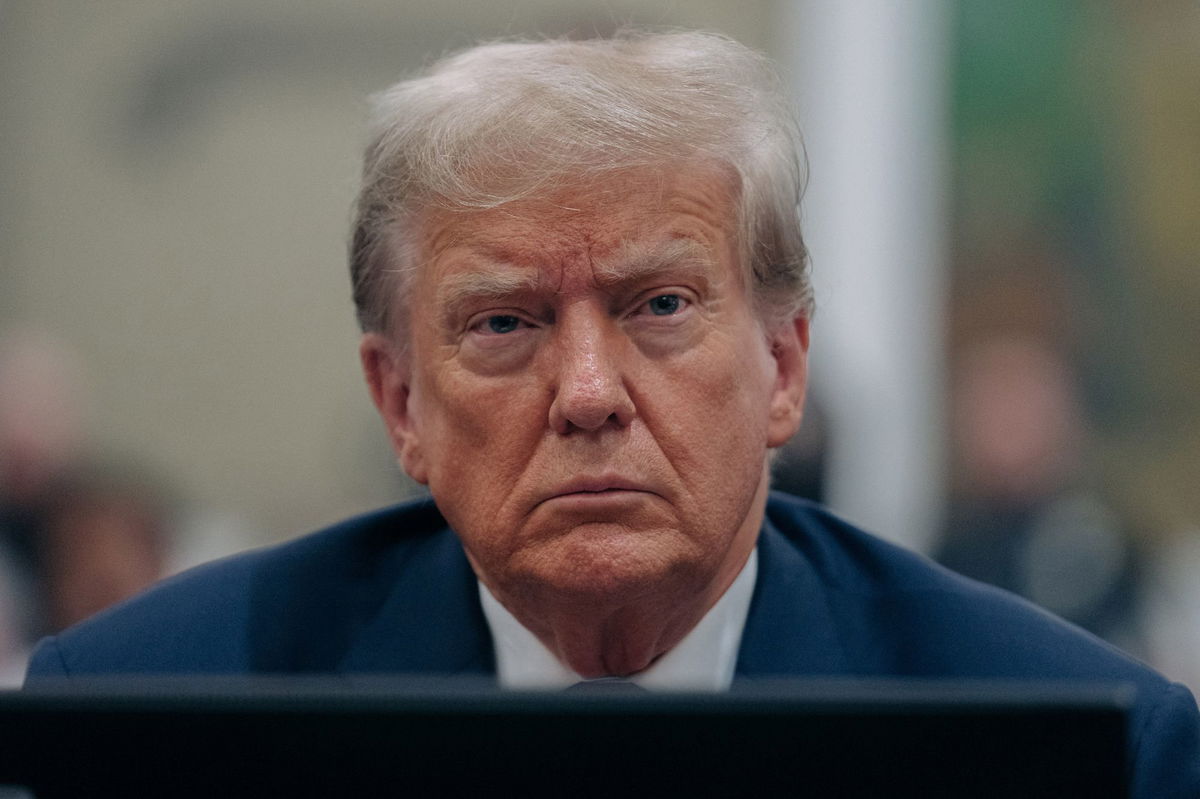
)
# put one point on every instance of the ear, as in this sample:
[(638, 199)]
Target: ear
[(789, 351), (388, 376)]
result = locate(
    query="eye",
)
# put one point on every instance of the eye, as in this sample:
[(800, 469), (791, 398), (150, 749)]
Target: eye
[(665, 304), (503, 323)]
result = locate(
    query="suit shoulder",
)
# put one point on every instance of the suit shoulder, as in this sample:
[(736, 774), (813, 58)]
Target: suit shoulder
[(246, 612), (904, 614)]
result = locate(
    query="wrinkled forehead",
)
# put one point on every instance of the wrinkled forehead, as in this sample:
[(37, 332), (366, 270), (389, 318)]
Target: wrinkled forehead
[(615, 216), (607, 214)]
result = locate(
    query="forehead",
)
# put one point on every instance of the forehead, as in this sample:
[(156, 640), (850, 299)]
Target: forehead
[(631, 215)]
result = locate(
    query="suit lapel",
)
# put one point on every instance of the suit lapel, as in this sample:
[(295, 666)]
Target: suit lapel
[(790, 630), (432, 622)]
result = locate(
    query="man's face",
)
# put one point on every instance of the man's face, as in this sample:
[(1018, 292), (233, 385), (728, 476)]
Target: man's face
[(588, 393)]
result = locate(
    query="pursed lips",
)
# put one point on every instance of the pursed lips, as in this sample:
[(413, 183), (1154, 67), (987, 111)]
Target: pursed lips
[(583, 486)]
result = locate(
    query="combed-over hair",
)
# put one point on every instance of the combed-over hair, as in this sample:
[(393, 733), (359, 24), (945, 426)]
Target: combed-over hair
[(511, 120)]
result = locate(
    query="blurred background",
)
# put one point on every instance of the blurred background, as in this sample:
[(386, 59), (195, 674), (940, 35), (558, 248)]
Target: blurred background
[(1003, 210)]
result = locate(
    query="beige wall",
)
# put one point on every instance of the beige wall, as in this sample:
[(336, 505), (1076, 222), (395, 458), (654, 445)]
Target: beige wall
[(176, 183)]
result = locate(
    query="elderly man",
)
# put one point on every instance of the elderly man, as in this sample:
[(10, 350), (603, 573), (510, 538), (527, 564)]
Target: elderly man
[(583, 290)]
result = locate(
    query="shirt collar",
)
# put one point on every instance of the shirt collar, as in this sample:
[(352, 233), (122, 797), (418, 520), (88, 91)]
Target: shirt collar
[(703, 661)]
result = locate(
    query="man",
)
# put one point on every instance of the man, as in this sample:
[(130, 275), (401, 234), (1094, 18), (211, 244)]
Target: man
[(585, 307)]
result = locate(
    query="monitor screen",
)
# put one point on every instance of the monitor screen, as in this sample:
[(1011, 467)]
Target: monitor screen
[(390, 736)]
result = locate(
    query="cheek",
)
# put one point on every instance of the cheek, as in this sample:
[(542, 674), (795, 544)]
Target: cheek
[(478, 433), (713, 416), (734, 390)]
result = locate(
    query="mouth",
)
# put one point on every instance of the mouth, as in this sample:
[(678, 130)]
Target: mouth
[(598, 488)]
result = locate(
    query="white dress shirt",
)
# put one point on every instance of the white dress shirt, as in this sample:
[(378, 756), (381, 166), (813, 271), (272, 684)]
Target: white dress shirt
[(703, 661)]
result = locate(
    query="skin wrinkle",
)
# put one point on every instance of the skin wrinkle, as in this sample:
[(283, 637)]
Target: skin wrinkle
[(592, 384), (500, 276)]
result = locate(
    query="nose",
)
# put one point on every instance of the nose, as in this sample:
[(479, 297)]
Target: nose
[(590, 392)]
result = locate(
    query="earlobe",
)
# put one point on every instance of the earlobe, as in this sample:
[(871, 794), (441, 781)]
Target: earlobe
[(388, 378), (789, 351)]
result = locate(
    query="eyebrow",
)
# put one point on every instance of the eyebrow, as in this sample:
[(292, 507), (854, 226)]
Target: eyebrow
[(465, 287), (636, 260), (632, 261)]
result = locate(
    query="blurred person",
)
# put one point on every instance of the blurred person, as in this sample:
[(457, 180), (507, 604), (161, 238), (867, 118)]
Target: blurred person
[(585, 305), (41, 413), (105, 536), (102, 536), (41, 435), (1026, 516), (76, 534), (41, 432)]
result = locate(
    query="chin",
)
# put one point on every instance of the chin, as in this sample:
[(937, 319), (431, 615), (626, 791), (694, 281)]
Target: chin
[(604, 563)]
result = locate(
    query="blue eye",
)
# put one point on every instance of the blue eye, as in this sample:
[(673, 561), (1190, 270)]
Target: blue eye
[(502, 324), (664, 304)]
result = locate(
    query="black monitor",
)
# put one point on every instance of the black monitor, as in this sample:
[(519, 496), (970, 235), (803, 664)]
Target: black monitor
[(391, 737)]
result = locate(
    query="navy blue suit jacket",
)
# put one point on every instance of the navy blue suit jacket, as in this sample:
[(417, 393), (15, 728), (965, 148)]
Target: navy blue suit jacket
[(393, 592)]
